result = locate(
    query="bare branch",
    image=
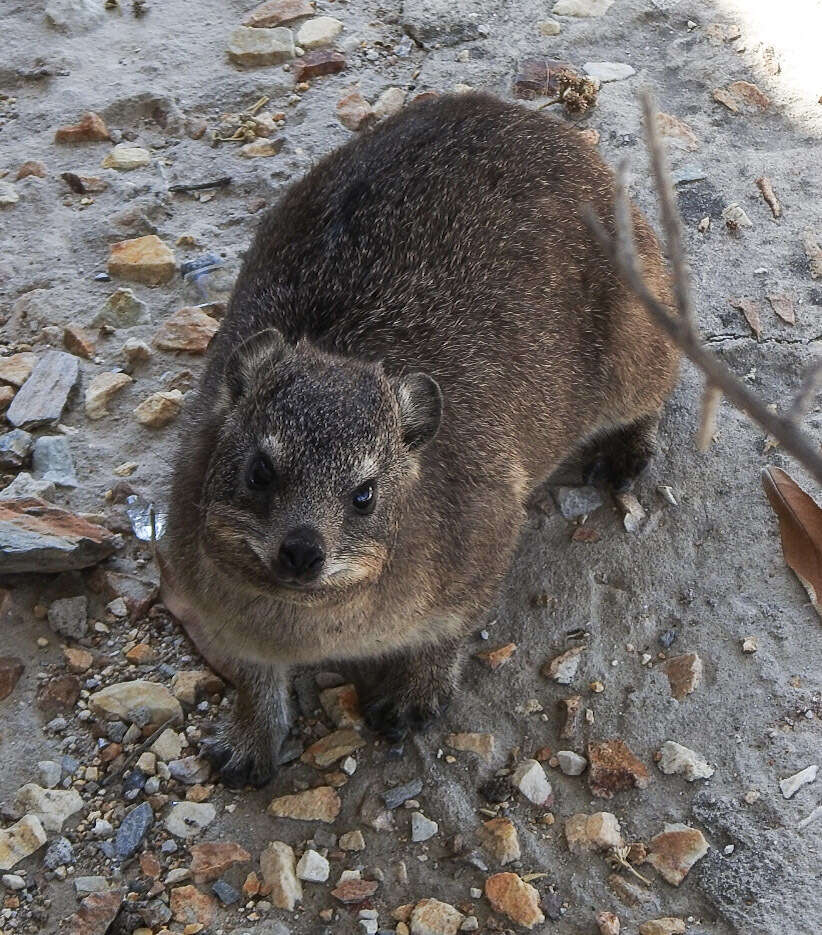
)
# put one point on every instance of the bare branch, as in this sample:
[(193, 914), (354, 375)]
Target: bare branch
[(811, 385)]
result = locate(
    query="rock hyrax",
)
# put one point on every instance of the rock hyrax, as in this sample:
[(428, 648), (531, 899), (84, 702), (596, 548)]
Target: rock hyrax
[(421, 331)]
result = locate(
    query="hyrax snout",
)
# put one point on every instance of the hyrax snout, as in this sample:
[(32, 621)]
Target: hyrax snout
[(421, 331)]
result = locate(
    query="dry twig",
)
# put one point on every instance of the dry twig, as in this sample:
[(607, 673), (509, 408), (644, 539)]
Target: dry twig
[(680, 323)]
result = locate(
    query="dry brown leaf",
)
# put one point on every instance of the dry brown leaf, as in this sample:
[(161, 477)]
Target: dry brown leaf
[(763, 183), (750, 310), (800, 525), (813, 252), (783, 307), (674, 129), (742, 97)]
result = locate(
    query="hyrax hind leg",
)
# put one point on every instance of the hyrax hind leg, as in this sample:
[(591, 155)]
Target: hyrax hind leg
[(620, 455)]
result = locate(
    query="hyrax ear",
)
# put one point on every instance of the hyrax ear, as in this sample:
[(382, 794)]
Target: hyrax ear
[(420, 401), (262, 350)]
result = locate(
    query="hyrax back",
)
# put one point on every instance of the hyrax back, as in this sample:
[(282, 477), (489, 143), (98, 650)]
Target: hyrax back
[(422, 329)]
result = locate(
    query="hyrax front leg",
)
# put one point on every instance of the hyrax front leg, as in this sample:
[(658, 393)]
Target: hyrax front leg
[(415, 689), (246, 749)]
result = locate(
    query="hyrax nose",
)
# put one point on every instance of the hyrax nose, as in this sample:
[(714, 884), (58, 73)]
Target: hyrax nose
[(301, 554)]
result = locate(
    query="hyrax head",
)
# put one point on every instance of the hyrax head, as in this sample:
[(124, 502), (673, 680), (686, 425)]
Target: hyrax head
[(305, 488)]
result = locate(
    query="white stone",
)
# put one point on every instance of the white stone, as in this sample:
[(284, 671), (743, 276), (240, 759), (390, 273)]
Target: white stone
[(249, 45), (102, 828), (572, 764), (549, 27), (809, 819), (349, 766), (188, 819), (793, 783), (20, 840), (581, 7), (369, 926), (422, 828), (75, 16), (277, 867), (12, 881), (609, 71), (674, 758), (313, 867), (125, 699), (317, 32), (125, 158), (8, 194), (51, 806), (388, 103), (49, 773), (529, 777), (168, 746), (735, 216)]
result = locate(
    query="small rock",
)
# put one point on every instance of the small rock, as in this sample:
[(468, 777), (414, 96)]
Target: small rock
[(529, 777), (353, 111), (735, 219), (13, 882), (664, 926), (480, 744), (317, 32), (549, 27), (574, 502), (102, 389), (674, 758), (742, 97), (319, 804), (316, 64), (352, 841), (684, 674), (422, 828), (342, 705), (432, 917), (211, 860), (633, 513), (17, 368), (390, 102), (143, 259), (157, 410), (608, 71), (226, 893), (121, 701), (51, 806), (69, 617), (332, 747), (15, 449), (190, 771), (192, 685), (313, 867), (572, 764), (494, 658), (608, 923), (6, 396), (279, 872), (597, 832), (8, 195), (78, 660), (126, 158), (277, 12), (20, 840), (581, 7), (49, 773), (85, 885), (192, 907), (52, 460), (44, 395), (122, 309), (261, 148), (11, 668), (58, 694), (613, 767), (91, 128), (133, 828), (563, 668), (189, 330), (31, 169), (794, 783), (96, 914), (673, 852), (135, 352), (58, 854), (499, 838), (140, 655), (354, 890), (256, 46), (515, 898), (674, 129), (188, 819)]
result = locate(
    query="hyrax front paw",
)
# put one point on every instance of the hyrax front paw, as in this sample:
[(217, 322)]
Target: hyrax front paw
[(404, 704), (242, 759)]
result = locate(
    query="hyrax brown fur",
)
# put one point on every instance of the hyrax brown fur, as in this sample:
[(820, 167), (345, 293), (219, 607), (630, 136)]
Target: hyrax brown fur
[(422, 330)]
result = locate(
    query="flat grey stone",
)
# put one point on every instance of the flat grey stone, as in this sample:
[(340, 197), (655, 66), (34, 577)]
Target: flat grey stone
[(42, 398), (15, 448), (68, 616), (132, 830), (574, 502), (52, 460), (24, 485), (448, 23)]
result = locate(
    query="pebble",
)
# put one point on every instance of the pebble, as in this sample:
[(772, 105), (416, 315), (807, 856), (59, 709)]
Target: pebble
[(563, 668), (316, 64), (515, 898), (794, 783), (190, 771), (42, 398), (277, 12), (482, 745), (192, 907), (188, 819), (684, 674), (157, 410), (192, 685), (96, 914), (354, 890), (494, 658), (12, 881), (261, 148), (742, 97), (123, 699), (15, 449), (597, 832), (572, 764), (122, 309), (49, 773), (529, 777), (90, 128), (815, 815), (432, 917), (20, 840), (85, 885), (390, 102), (17, 368), (8, 194), (664, 926), (675, 850), (750, 644), (168, 746), (102, 828), (351, 841), (398, 795), (317, 32), (125, 158), (51, 806), (190, 330), (52, 460), (145, 260), (11, 668), (59, 853), (313, 867), (633, 512), (735, 218), (549, 27), (422, 828), (581, 7), (499, 838), (319, 804), (101, 390), (341, 704), (79, 342), (68, 616), (608, 71), (133, 828), (257, 46), (574, 502), (608, 923), (674, 758), (613, 767), (279, 871), (332, 747), (353, 111)]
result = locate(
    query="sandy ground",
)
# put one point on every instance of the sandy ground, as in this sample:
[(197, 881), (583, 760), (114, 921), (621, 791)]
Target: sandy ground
[(711, 568)]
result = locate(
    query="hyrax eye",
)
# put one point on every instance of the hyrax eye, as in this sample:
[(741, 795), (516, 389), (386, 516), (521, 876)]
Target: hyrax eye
[(260, 473), (364, 498)]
